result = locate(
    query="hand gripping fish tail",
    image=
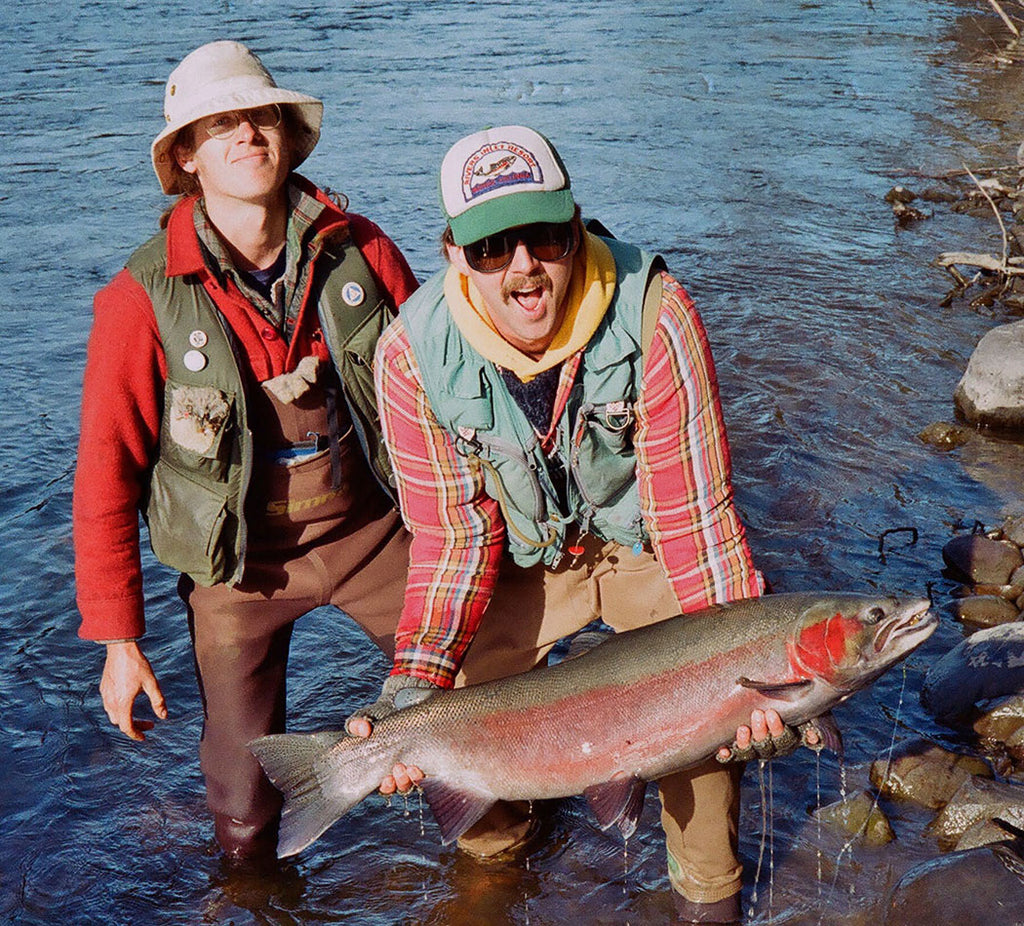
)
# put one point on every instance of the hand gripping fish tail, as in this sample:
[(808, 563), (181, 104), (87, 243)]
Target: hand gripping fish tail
[(635, 708)]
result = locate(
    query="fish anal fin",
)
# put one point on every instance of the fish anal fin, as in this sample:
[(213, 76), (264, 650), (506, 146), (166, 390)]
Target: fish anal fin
[(780, 691), (454, 809), (618, 802)]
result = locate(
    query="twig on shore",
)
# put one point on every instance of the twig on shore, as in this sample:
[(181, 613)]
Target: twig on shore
[(1006, 19), (953, 174), (999, 218), (949, 260)]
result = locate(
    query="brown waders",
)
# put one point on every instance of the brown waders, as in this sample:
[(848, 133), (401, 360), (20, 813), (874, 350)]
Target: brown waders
[(530, 611), (321, 532)]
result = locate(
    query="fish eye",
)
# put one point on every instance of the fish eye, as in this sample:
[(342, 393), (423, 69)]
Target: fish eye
[(874, 616)]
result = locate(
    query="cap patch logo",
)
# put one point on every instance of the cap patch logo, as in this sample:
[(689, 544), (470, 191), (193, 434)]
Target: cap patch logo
[(497, 165)]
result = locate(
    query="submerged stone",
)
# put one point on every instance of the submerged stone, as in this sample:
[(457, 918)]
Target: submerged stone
[(979, 886), (858, 815), (924, 774), (944, 436)]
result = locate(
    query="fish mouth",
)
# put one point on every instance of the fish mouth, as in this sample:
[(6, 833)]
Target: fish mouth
[(909, 626)]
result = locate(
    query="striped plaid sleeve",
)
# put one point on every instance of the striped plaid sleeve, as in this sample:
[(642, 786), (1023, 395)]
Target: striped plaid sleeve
[(457, 531), (683, 464)]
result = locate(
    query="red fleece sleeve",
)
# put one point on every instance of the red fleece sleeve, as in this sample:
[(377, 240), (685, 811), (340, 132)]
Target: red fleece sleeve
[(122, 396)]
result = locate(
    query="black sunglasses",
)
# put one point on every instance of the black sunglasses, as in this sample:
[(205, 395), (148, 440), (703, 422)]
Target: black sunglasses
[(546, 241)]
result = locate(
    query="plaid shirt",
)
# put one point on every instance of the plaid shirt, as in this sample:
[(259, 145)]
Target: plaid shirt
[(683, 471), (282, 309)]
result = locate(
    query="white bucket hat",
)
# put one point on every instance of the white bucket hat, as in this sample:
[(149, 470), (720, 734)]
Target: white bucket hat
[(219, 77)]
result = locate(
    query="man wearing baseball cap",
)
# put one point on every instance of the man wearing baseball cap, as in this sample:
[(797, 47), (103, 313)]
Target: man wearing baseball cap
[(228, 397), (550, 406)]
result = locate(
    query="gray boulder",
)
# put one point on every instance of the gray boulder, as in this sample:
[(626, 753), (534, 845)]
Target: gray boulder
[(988, 664), (991, 392)]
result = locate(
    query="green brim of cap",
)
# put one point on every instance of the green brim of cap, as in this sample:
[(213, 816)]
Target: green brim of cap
[(495, 215)]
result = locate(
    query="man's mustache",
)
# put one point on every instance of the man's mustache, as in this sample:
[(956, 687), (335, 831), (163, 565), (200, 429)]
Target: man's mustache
[(524, 282)]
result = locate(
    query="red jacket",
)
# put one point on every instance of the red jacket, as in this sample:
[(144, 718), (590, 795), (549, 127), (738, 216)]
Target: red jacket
[(122, 401)]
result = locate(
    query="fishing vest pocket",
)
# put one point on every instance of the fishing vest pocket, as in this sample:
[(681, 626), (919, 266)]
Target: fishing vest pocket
[(603, 458), (187, 520), (198, 421)]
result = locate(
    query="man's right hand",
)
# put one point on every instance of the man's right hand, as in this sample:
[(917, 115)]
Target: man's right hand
[(399, 691), (127, 673)]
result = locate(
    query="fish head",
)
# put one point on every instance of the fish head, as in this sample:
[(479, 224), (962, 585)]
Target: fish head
[(849, 641)]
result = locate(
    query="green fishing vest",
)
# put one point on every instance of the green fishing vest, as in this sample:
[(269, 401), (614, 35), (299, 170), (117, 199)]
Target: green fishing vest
[(195, 503), (594, 437)]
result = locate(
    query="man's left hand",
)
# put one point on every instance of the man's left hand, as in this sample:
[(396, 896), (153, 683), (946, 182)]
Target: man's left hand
[(767, 736)]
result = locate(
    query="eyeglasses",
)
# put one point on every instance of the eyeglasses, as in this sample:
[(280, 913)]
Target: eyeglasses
[(546, 241), (224, 125)]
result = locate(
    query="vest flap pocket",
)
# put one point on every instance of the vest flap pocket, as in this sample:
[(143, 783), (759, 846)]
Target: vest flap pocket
[(197, 420), (187, 522)]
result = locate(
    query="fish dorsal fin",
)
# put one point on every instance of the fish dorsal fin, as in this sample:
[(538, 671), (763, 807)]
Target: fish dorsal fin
[(455, 809), (618, 803), (781, 691)]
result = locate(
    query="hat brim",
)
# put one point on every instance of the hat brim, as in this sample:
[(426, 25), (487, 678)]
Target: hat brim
[(309, 110), (495, 215)]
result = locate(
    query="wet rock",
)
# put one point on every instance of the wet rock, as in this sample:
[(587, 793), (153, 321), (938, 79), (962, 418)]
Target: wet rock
[(991, 391), (858, 815), (936, 195), (982, 559), (984, 833), (906, 215), (985, 610), (944, 436), (900, 194), (924, 774), (968, 888), (1013, 529), (975, 800), (1004, 723), (988, 664)]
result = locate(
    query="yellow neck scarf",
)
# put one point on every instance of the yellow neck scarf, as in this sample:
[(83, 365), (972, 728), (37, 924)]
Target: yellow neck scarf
[(590, 294)]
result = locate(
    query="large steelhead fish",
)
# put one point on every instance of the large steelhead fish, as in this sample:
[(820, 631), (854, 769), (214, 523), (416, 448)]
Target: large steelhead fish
[(643, 704)]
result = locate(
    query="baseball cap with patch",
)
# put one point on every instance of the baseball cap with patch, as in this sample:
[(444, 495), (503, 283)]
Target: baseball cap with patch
[(500, 178)]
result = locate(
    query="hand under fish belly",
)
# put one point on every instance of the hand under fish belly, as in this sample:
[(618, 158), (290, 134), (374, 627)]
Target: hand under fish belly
[(645, 703)]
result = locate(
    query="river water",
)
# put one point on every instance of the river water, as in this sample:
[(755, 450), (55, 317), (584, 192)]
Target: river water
[(752, 144)]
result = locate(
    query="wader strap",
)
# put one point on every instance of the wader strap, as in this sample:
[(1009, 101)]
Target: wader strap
[(334, 436)]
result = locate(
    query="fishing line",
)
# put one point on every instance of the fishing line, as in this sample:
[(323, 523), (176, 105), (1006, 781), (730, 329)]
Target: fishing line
[(771, 842), (764, 828), (874, 804)]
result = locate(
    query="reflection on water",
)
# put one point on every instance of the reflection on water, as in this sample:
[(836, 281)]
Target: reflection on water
[(752, 143)]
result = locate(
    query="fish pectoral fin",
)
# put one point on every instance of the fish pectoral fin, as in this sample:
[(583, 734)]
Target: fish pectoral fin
[(454, 809), (828, 731), (618, 803), (781, 691)]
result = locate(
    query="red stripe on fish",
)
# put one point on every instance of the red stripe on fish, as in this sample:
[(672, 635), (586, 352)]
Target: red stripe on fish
[(822, 646)]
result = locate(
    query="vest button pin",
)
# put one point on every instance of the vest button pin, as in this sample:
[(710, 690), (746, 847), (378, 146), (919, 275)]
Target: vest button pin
[(198, 338), (194, 360), (353, 293)]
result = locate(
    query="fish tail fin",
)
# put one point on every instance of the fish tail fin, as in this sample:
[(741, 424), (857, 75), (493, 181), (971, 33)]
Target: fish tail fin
[(313, 801)]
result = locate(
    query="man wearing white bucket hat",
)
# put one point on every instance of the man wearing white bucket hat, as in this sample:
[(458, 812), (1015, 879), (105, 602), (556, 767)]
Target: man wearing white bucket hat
[(570, 451), (228, 396)]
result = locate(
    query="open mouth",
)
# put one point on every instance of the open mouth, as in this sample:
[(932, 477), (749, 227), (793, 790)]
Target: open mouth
[(529, 300), (914, 620)]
